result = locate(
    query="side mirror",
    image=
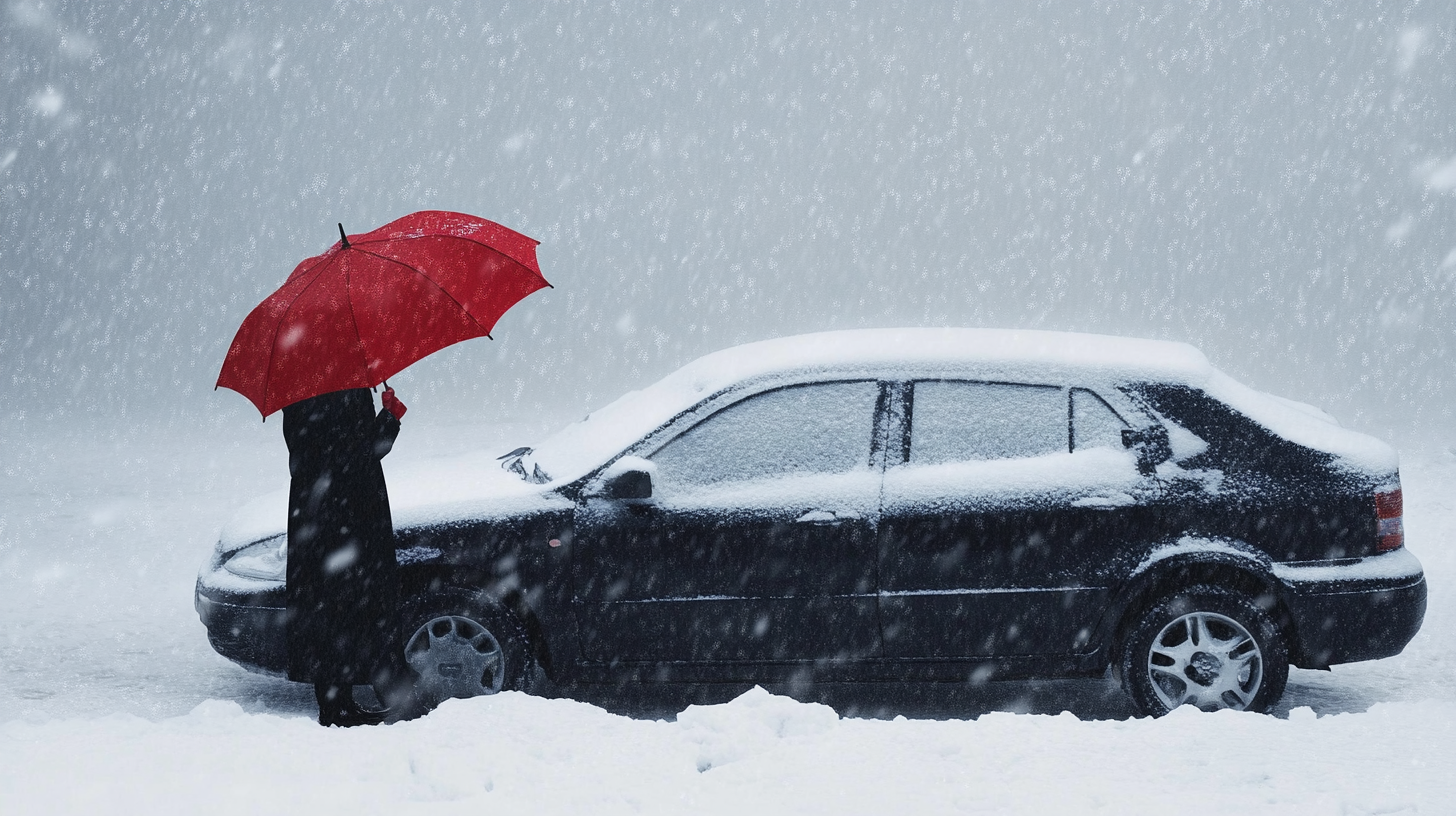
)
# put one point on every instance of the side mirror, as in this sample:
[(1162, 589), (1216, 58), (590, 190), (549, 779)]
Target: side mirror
[(1151, 444), (629, 484), (627, 478)]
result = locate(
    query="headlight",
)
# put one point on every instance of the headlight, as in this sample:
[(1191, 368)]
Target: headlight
[(266, 560)]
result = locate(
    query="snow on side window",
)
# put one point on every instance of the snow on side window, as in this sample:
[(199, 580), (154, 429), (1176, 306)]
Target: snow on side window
[(818, 428), (1094, 423), (953, 421)]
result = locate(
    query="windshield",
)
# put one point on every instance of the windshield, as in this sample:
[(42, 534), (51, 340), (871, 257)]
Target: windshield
[(575, 450)]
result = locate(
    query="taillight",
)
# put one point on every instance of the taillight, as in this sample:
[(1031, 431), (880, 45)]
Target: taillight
[(1390, 533)]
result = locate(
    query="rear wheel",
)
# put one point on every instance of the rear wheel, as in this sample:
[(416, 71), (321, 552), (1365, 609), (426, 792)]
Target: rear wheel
[(1204, 646), (460, 645)]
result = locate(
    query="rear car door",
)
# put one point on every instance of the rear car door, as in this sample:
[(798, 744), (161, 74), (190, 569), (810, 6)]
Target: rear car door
[(997, 521), (757, 543)]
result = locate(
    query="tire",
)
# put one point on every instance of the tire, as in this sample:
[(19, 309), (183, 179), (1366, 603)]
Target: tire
[(459, 644), (1204, 646)]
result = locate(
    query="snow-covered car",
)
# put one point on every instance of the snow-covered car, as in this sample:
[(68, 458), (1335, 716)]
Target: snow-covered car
[(920, 504)]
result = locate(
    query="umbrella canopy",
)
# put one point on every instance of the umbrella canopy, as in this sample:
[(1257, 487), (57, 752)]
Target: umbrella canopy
[(375, 303)]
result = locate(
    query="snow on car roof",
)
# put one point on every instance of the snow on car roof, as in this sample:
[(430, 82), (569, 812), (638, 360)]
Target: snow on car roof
[(992, 353), (991, 350), (997, 354)]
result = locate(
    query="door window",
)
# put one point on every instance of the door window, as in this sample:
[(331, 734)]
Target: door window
[(799, 430), (1094, 423), (957, 421)]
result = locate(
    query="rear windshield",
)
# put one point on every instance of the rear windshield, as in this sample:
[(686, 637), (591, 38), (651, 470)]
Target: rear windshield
[(1235, 442)]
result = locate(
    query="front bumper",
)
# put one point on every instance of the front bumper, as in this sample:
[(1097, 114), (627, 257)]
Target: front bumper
[(1366, 609), (248, 629)]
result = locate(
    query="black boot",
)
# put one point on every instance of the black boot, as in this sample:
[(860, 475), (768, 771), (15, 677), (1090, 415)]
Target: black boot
[(337, 707)]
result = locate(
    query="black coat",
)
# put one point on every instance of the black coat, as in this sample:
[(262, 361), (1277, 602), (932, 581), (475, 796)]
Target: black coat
[(343, 581)]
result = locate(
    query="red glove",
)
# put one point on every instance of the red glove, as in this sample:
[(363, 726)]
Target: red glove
[(392, 404)]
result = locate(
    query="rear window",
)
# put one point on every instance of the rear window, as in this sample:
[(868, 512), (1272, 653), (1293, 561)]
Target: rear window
[(1235, 442)]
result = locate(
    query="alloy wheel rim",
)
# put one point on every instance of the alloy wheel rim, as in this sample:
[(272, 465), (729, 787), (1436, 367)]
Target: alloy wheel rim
[(456, 657), (1206, 660)]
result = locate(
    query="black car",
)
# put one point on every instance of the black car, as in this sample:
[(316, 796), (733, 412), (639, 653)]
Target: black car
[(937, 505)]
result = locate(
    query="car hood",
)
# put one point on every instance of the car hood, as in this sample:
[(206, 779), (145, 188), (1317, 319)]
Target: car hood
[(421, 494)]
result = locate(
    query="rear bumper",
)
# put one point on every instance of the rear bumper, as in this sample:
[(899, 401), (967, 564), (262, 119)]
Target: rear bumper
[(249, 630), (1365, 609)]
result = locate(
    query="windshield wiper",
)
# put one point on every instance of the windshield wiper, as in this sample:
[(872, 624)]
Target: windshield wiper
[(517, 465)]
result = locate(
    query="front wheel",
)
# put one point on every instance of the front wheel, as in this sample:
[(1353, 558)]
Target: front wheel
[(461, 646), (1204, 646)]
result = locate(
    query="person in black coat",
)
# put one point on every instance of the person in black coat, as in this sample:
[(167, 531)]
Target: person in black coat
[(343, 582)]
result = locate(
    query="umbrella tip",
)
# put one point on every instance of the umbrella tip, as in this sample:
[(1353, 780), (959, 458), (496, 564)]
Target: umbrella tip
[(342, 236)]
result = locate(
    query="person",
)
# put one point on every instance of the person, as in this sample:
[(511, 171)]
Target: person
[(342, 580)]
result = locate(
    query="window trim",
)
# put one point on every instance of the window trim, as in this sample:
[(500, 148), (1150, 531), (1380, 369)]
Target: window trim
[(1071, 410)]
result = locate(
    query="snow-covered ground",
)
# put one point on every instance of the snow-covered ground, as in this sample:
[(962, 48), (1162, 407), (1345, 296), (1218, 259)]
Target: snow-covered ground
[(111, 700)]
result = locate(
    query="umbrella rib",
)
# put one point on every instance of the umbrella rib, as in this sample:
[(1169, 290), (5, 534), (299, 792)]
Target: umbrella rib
[(273, 346), (432, 281), (353, 318), (467, 238)]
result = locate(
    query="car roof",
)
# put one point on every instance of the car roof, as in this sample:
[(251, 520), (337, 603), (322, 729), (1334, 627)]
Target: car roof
[(919, 351)]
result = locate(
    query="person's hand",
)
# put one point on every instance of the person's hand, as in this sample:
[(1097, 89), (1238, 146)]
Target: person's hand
[(392, 404)]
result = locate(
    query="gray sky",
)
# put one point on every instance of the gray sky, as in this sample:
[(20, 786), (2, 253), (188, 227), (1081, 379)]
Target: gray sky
[(1274, 183)]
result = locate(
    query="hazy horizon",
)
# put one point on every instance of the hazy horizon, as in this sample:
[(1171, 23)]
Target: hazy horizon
[(1275, 185)]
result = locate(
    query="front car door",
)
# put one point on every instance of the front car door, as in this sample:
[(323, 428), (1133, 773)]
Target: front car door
[(998, 513), (757, 543)]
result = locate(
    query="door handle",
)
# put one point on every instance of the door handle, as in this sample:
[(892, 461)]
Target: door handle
[(1113, 500), (820, 517)]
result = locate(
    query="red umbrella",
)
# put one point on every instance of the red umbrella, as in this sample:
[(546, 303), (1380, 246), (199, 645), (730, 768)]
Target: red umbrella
[(374, 303)]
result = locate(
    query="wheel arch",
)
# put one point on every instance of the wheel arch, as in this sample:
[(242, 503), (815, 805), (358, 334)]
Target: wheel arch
[(1191, 562), (423, 579)]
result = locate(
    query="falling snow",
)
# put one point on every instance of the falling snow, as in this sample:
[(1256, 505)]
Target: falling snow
[(1273, 183)]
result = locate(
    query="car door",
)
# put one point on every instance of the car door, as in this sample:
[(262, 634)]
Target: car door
[(756, 545), (997, 519)]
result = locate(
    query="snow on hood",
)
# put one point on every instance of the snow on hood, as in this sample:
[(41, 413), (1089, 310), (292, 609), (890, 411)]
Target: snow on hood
[(420, 494)]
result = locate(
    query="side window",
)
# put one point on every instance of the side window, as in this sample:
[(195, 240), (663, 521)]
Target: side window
[(817, 428), (1094, 423), (955, 421)]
